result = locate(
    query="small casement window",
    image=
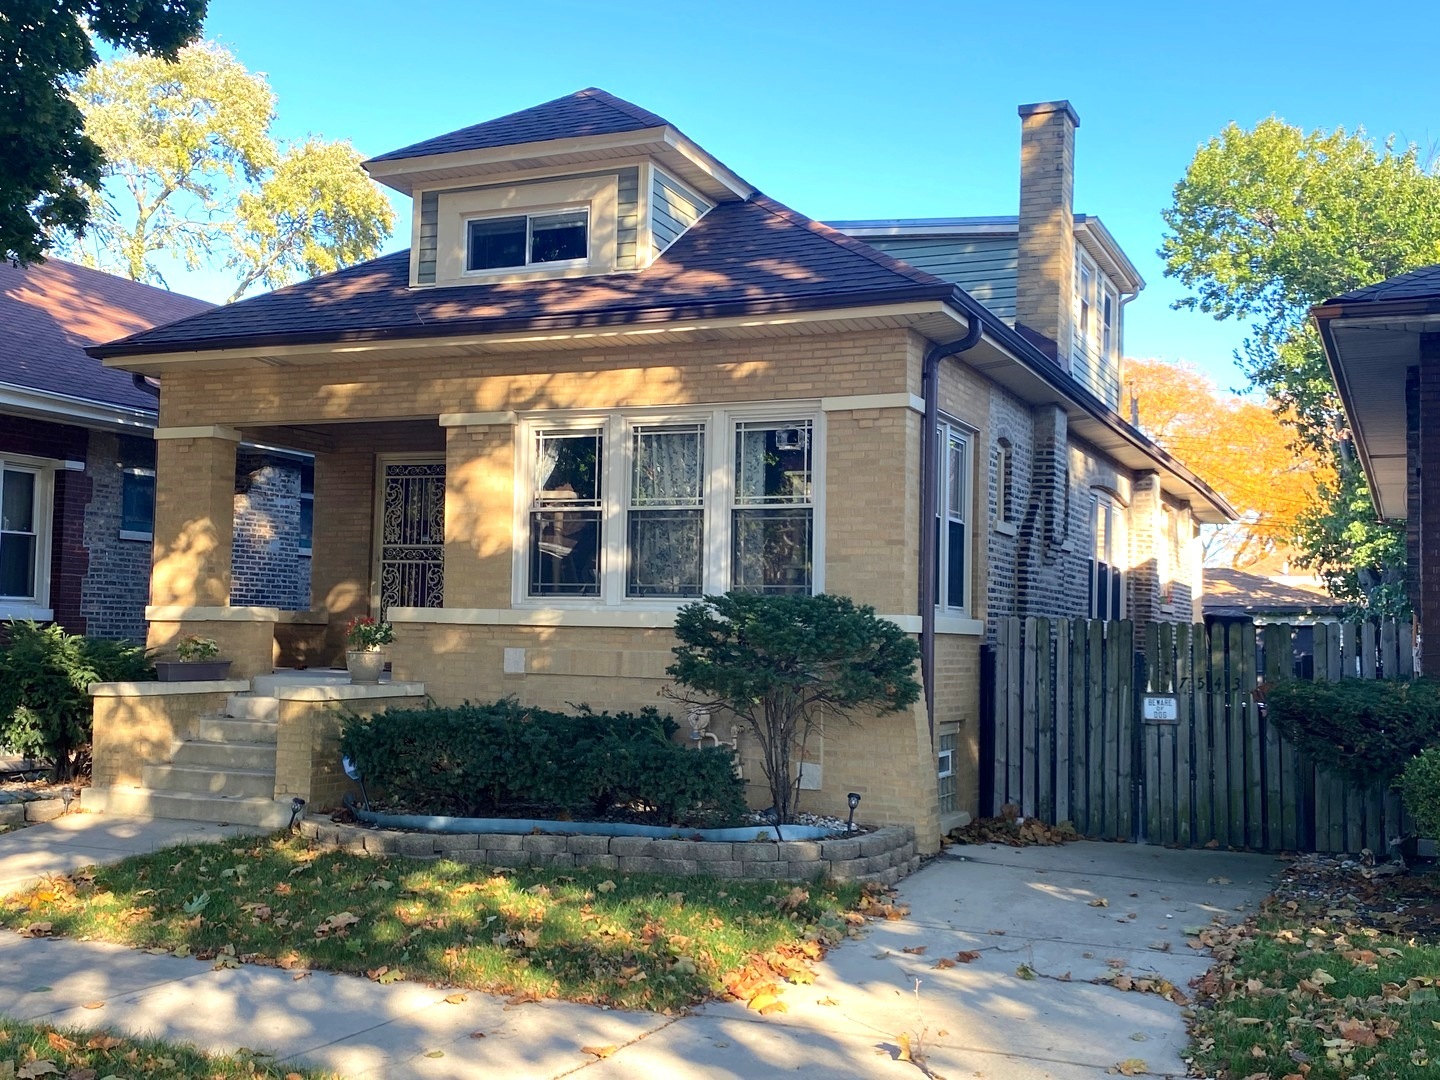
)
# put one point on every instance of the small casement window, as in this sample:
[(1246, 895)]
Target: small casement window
[(773, 520), (945, 771), (1004, 481), (20, 505), (1107, 580), (137, 501), (951, 515), (503, 243), (566, 507)]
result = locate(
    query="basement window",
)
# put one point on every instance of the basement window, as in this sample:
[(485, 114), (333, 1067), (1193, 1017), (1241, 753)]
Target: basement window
[(521, 240)]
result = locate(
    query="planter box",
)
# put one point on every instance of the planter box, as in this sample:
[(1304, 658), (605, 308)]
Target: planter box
[(192, 671)]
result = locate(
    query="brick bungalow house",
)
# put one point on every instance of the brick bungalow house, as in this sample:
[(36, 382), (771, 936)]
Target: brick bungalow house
[(610, 376), (77, 461), (1383, 346)]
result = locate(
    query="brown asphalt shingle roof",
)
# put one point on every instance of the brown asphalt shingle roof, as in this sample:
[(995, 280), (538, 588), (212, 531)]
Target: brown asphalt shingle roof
[(740, 258), (586, 112), (50, 313)]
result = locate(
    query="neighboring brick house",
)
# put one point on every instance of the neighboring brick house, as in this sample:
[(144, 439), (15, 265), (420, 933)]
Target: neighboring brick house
[(1383, 346), (77, 460), (611, 376)]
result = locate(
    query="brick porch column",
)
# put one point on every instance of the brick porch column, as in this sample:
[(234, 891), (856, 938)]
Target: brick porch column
[(342, 545), (194, 516)]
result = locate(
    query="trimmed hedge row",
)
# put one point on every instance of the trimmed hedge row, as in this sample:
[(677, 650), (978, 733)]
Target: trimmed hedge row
[(503, 758), (1366, 729)]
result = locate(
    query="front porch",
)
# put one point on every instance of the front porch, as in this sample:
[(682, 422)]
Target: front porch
[(237, 750)]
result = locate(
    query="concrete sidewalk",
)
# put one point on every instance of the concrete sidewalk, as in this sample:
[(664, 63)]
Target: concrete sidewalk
[(1027, 906)]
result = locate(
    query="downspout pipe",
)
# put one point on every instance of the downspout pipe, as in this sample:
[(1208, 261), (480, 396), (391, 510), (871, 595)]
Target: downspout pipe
[(929, 496)]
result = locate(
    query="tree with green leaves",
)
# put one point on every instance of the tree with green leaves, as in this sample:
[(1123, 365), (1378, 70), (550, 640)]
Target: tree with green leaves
[(1268, 222), (46, 159), (783, 665), (193, 173)]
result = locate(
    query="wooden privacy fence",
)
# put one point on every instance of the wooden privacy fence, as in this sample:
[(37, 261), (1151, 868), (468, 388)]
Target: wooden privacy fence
[(1159, 735)]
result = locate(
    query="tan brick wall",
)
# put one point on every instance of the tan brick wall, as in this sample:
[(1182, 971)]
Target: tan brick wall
[(248, 645), (957, 700), (132, 732), (194, 521), (340, 566), (307, 747), (1045, 269), (479, 515)]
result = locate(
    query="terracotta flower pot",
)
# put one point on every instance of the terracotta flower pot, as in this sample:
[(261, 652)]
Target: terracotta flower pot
[(364, 666)]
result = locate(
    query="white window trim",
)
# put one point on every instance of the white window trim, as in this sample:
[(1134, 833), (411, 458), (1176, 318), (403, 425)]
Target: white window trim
[(37, 606), (147, 535), (719, 424), (946, 428), (1119, 539), (529, 214)]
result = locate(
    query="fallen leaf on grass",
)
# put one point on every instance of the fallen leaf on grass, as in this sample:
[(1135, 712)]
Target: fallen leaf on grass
[(1358, 1032), (102, 1042), (523, 998), (605, 887), (601, 1052), (32, 1069), (37, 929)]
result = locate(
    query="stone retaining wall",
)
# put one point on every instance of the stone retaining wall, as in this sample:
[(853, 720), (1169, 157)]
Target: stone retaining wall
[(16, 812), (886, 855)]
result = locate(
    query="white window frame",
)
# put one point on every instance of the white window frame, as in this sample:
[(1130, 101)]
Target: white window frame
[(1086, 275), (529, 214), (946, 431), (1109, 328), (617, 427), (1115, 541), (136, 534), (36, 606)]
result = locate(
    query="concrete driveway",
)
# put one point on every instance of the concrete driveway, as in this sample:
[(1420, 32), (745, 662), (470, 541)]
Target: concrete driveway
[(1014, 907)]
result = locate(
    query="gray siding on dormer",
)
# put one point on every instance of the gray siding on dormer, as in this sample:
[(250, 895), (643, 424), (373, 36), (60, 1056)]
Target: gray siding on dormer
[(674, 210), (426, 241), (627, 230), (984, 266)]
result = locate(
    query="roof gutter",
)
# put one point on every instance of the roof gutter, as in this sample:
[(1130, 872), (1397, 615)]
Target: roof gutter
[(929, 504)]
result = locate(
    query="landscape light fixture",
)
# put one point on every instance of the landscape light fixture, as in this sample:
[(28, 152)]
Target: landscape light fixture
[(353, 772), (854, 800), (297, 807)]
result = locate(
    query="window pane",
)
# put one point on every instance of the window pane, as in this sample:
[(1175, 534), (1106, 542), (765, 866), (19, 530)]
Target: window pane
[(137, 502), (17, 566), (1102, 598), (307, 524), (567, 468), (496, 242), (669, 467), (1114, 594), (17, 501), (665, 553), (772, 463), (957, 479), (556, 237), (955, 566), (565, 553), (772, 550)]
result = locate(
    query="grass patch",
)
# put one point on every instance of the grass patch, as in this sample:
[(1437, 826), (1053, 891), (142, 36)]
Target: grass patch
[(1307, 991), (73, 1052), (637, 941)]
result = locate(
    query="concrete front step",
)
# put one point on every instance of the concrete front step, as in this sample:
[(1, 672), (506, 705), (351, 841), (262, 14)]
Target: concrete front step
[(252, 707), (223, 729), (266, 813), (207, 781), (257, 756)]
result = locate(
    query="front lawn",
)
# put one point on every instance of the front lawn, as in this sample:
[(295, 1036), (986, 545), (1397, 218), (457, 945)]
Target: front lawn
[(1336, 980), (26, 1048), (636, 941)]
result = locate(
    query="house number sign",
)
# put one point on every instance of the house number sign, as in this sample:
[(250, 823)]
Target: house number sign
[(1161, 709)]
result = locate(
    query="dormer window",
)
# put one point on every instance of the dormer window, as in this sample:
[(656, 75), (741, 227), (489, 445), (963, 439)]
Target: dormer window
[(524, 240)]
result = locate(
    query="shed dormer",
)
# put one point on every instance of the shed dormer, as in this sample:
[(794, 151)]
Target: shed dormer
[(581, 186)]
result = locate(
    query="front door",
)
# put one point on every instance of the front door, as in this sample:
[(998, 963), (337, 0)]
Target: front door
[(411, 528)]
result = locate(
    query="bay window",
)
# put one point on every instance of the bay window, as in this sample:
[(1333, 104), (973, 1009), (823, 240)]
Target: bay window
[(667, 507)]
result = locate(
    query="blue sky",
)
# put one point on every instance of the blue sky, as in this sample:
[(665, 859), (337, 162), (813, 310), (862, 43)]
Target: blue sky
[(858, 110)]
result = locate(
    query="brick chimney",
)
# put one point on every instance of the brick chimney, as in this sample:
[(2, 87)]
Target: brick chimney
[(1045, 281)]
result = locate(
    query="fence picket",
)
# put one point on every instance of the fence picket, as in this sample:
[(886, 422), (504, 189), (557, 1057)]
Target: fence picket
[(1367, 650), (1278, 663), (1029, 711), (1062, 720), (1389, 657), (1125, 738), (1166, 671), (1096, 757), (1079, 733), (1012, 713), (1220, 734), (1185, 637), (1045, 723), (1204, 811), (999, 700)]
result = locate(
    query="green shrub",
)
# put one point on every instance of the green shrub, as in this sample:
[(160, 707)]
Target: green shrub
[(1365, 729), (478, 760), (1420, 788), (45, 710)]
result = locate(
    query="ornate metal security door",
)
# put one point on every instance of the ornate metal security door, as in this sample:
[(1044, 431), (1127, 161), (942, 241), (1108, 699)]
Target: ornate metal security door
[(412, 534)]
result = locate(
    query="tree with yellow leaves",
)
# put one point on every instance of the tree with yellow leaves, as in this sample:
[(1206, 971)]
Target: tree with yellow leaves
[(1239, 446)]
